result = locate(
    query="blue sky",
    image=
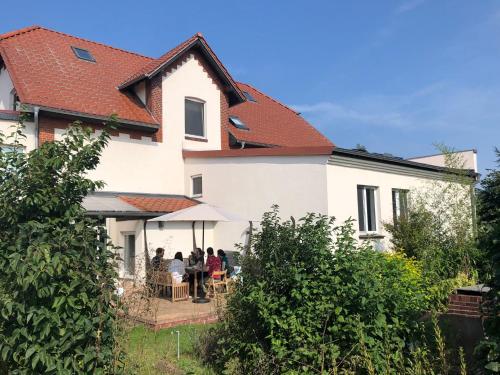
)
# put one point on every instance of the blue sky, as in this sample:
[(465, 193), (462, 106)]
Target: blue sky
[(395, 76)]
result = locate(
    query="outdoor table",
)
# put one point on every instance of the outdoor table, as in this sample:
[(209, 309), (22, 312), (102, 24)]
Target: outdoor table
[(193, 270)]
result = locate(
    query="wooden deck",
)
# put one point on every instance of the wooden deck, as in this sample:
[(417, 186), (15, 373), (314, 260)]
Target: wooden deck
[(161, 312)]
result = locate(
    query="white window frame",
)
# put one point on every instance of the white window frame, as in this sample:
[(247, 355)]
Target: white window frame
[(127, 274), (193, 195), (204, 118), (365, 208)]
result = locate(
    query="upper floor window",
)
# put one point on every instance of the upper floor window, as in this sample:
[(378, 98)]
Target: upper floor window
[(195, 118), (367, 208), (399, 204)]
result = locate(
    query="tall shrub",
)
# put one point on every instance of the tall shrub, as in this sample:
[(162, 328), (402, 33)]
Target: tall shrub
[(57, 278), (439, 228), (489, 240), (309, 296)]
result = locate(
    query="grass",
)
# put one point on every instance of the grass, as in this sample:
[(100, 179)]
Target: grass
[(155, 352)]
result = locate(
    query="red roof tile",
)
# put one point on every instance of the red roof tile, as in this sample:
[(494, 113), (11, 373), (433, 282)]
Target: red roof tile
[(46, 72), (273, 123), (158, 204)]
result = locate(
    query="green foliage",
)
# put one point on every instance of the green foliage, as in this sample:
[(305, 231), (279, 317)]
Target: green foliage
[(489, 240), (57, 279), (438, 229), (309, 295)]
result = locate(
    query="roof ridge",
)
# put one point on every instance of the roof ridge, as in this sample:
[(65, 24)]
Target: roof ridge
[(37, 27), (24, 30)]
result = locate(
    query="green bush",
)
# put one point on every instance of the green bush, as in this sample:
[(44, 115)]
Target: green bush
[(310, 298), (489, 240), (57, 279)]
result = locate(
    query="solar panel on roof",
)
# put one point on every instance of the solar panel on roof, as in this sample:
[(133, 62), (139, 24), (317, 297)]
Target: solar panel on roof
[(236, 121), (249, 96), (83, 54)]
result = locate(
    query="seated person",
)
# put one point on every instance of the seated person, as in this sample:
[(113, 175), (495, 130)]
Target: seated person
[(157, 262), (224, 261), (177, 268), (213, 263), (196, 257)]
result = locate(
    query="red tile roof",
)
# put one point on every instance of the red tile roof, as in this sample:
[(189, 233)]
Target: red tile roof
[(273, 123), (46, 72), (158, 204)]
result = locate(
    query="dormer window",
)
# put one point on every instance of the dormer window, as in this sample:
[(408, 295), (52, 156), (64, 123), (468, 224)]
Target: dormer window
[(194, 118), (83, 54)]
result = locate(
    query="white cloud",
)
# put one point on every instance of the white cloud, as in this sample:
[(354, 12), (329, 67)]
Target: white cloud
[(409, 6)]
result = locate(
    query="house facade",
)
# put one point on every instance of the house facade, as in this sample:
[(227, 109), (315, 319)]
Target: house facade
[(189, 133)]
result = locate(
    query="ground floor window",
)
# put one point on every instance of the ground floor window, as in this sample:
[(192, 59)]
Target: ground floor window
[(129, 254), (399, 204), (367, 215)]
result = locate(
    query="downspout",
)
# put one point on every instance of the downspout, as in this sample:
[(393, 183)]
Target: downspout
[(146, 252), (242, 144), (36, 111)]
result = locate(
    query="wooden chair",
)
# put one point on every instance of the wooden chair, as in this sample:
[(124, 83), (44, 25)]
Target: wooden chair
[(157, 281), (180, 291), (215, 283)]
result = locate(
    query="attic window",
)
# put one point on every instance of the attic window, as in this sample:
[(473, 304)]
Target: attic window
[(249, 96), (236, 121), (83, 54)]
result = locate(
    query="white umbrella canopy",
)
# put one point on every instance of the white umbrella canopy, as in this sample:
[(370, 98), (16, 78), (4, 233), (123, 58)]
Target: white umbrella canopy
[(200, 212)]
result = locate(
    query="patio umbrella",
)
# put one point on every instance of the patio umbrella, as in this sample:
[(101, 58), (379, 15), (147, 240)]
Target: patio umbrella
[(201, 212)]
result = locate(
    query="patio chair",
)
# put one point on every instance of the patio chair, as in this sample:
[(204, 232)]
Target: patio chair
[(180, 291), (157, 281), (215, 283)]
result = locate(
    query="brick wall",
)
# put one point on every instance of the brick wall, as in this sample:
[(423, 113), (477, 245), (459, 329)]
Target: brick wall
[(47, 125), (154, 103), (465, 305)]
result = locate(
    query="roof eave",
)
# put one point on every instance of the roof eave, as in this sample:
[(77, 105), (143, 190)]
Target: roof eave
[(123, 123)]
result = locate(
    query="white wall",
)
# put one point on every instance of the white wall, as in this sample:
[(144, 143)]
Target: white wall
[(29, 132), (469, 158), (342, 189), (249, 186), (6, 87)]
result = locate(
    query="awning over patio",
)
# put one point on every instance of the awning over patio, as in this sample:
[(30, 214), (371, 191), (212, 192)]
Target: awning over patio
[(134, 206)]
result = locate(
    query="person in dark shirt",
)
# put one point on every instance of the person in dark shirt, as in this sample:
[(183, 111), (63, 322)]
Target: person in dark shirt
[(157, 261)]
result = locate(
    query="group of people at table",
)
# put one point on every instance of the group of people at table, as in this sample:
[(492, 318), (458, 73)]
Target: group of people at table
[(178, 268)]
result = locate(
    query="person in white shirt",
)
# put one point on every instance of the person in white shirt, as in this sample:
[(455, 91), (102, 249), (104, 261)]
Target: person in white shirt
[(177, 268)]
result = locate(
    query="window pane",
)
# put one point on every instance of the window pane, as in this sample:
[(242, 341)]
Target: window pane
[(403, 204), (395, 205), (129, 254), (197, 186), (370, 209), (361, 211), (194, 118)]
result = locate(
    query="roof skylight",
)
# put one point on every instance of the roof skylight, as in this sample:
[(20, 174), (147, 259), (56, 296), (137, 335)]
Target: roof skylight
[(83, 54), (249, 96), (236, 121)]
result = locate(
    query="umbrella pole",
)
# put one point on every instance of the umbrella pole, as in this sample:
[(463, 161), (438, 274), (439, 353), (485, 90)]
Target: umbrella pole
[(202, 298)]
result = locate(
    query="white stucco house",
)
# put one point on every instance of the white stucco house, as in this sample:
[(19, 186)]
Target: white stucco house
[(189, 133)]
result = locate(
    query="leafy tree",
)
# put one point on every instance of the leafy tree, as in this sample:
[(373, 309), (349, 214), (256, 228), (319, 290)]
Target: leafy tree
[(312, 300), (489, 240), (57, 282), (439, 228)]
